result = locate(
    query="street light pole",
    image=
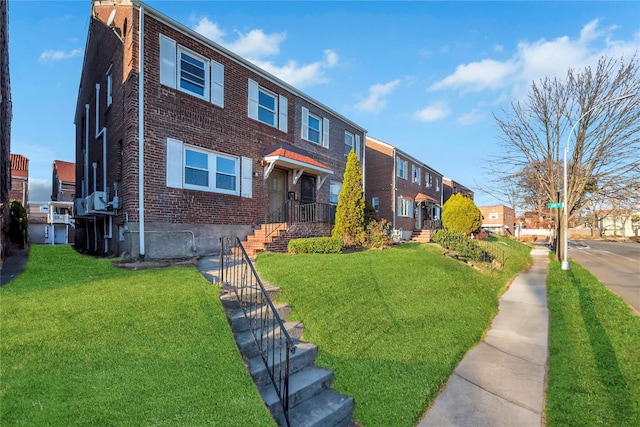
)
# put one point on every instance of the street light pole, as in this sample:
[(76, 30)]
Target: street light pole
[(565, 239)]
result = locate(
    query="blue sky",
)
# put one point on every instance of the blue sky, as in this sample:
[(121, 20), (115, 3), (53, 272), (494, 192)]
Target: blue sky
[(424, 76)]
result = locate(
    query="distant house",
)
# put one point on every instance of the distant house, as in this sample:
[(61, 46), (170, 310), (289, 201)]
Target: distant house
[(51, 222), (180, 142), (498, 219), (63, 181), (19, 180), (451, 187), (618, 223), (5, 129), (402, 189)]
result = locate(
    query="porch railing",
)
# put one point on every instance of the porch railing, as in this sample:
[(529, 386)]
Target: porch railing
[(431, 224), (293, 211), (237, 274)]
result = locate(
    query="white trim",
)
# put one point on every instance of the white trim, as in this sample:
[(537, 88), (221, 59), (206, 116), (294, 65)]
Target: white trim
[(217, 83), (325, 132), (205, 67), (284, 113), (253, 99), (246, 171), (174, 163), (168, 72), (305, 124)]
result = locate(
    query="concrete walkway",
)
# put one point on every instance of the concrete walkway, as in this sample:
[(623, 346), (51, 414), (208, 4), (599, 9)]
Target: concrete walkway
[(501, 381), (13, 264)]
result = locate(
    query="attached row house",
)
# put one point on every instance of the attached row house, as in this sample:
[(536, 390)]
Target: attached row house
[(180, 141), (402, 189)]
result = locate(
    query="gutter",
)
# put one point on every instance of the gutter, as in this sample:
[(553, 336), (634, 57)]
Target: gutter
[(141, 130)]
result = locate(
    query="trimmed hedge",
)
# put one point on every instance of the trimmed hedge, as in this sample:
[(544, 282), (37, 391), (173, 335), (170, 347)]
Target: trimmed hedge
[(315, 245)]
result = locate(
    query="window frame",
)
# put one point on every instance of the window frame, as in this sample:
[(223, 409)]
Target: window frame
[(346, 144), (415, 174), (375, 203), (405, 165), (494, 215), (109, 74), (262, 107), (212, 171), (318, 130), (332, 185), (405, 207), (206, 66)]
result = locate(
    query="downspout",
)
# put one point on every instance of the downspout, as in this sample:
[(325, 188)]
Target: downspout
[(394, 202), (86, 151), (102, 132), (141, 130)]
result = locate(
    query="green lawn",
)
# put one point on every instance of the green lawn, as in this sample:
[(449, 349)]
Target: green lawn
[(391, 324), (594, 353), (85, 343)]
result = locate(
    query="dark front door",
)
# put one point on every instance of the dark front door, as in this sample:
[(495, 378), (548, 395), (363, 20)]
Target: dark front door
[(307, 189)]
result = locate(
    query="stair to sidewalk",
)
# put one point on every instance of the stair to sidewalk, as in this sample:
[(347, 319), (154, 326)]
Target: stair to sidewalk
[(422, 236), (258, 240), (312, 401)]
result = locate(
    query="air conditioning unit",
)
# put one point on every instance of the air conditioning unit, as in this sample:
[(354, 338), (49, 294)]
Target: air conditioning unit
[(99, 201), (81, 207)]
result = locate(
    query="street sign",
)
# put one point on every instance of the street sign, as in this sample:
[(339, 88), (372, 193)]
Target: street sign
[(555, 205)]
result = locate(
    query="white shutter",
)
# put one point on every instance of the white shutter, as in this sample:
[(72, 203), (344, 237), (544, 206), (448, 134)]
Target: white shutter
[(246, 188), (253, 99), (284, 113), (167, 61), (305, 123), (174, 163), (217, 83), (325, 132), (410, 208), (358, 146)]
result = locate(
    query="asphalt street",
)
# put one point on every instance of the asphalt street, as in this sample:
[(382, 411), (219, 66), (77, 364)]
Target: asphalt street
[(616, 265)]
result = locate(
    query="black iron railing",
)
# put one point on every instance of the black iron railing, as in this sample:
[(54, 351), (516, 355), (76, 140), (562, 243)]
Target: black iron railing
[(293, 211), (431, 224), (237, 274)]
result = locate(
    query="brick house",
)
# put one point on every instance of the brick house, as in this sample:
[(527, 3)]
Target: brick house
[(403, 190), (20, 180), (5, 129), (451, 187), (498, 219), (200, 144), (63, 181)]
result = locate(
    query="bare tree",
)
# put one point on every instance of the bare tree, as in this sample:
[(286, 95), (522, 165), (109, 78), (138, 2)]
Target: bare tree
[(602, 152)]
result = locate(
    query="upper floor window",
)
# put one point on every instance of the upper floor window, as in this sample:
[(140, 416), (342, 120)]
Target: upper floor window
[(428, 180), (415, 174), (402, 168), (315, 128), (195, 168), (336, 187), (493, 215), (267, 107), (348, 142), (375, 202), (109, 85), (437, 184), (190, 72)]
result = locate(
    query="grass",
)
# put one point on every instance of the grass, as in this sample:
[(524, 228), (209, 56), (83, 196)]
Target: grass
[(594, 353), (391, 324), (85, 343)]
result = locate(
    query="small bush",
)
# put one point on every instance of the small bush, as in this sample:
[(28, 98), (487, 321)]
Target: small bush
[(378, 234), (315, 245)]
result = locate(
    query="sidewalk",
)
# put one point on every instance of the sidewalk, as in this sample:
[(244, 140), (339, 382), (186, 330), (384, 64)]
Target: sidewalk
[(13, 264), (501, 381)]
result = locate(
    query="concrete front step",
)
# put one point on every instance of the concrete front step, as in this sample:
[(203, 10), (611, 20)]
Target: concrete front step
[(247, 343), (303, 385), (240, 322), (250, 295), (328, 408), (304, 356)]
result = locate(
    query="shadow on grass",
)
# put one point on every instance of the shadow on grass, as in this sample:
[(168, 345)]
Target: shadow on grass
[(604, 355)]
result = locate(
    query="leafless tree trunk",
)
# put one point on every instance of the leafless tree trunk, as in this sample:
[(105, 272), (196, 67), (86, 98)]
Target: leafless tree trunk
[(603, 150)]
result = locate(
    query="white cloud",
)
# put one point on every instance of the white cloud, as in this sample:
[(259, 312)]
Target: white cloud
[(472, 117), (477, 76), (258, 46), (56, 55), (39, 190), (376, 101), (535, 60), (433, 112)]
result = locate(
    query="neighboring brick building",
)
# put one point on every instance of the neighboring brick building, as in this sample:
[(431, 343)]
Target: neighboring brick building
[(403, 190), (225, 144), (20, 180), (5, 128), (63, 181), (498, 219), (451, 187)]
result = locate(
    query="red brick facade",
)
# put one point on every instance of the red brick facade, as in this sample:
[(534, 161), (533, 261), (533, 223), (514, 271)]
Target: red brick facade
[(174, 214), (498, 219), (408, 191), (5, 128), (19, 180)]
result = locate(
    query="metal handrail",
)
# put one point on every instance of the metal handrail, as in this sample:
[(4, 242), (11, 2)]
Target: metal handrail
[(293, 212), (269, 333)]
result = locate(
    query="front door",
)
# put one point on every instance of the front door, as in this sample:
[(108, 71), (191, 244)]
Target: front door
[(277, 194), (307, 189)]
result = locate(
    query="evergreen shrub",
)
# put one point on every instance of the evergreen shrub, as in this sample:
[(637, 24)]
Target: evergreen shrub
[(315, 245)]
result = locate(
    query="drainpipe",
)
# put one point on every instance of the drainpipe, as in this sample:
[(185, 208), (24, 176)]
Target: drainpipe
[(141, 130), (394, 202), (86, 150)]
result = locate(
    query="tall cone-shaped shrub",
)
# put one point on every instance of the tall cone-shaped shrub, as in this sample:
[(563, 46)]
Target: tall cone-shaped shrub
[(461, 214), (350, 211)]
